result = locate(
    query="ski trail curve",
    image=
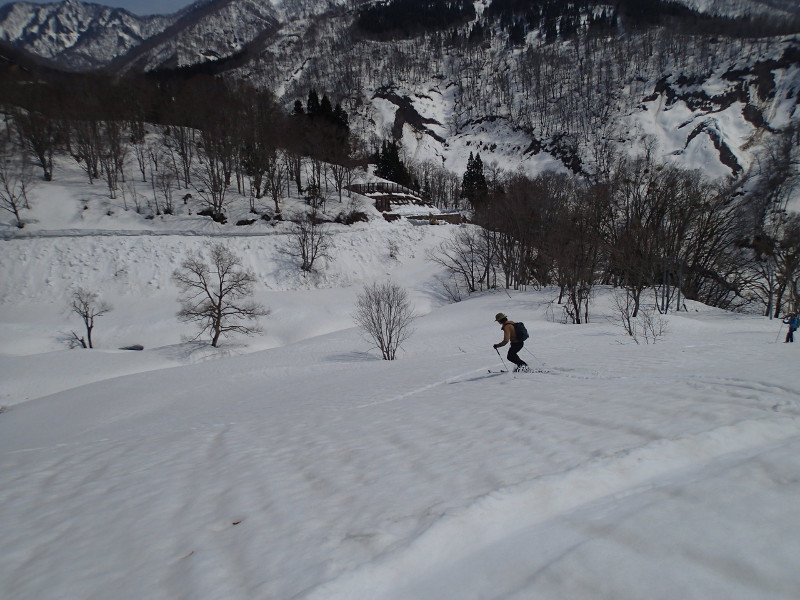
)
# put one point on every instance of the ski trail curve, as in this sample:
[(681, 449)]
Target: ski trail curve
[(470, 533), (421, 389)]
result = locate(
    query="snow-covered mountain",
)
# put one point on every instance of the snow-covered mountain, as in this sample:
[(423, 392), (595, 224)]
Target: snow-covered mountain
[(85, 36), (77, 35), (740, 8), (82, 35), (208, 32), (517, 90), (710, 101)]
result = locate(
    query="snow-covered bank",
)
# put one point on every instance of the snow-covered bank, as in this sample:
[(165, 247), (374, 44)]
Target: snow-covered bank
[(316, 470), (134, 274)]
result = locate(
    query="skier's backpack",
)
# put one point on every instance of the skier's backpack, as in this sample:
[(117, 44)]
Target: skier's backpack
[(520, 331)]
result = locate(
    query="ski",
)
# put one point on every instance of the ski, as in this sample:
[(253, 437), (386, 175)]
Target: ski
[(528, 371)]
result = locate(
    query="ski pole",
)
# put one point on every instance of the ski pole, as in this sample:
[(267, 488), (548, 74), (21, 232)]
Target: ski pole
[(505, 368), (777, 337), (533, 355)]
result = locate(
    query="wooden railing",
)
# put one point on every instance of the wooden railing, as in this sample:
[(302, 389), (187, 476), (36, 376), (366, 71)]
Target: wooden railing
[(382, 187)]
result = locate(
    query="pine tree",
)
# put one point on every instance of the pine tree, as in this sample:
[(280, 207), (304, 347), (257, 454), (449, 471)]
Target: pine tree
[(468, 182), (481, 188), (313, 105), (340, 117), (473, 185), (390, 166), (325, 108)]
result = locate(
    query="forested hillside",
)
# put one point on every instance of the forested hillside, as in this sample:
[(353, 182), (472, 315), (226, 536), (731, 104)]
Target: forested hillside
[(637, 144)]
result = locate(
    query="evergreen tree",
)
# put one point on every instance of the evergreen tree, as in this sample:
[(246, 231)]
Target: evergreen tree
[(467, 183), (340, 117), (550, 31), (473, 185), (390, 166), (325, 108), (516, 34), (406, 17), (313, 106), (481, 188)]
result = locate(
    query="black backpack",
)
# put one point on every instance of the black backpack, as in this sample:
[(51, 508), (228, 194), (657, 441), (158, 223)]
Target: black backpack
[(520, 331)]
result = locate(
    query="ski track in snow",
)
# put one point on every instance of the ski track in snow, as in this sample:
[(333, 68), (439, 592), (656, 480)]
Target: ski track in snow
[(231, 480), (298, 465), (470, 535)]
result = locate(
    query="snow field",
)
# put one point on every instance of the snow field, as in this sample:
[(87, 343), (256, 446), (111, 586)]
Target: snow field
[(296, 464), (350, 477)]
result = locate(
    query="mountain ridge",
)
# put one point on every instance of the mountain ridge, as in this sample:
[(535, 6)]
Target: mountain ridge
[(512, 83), (76, 35)]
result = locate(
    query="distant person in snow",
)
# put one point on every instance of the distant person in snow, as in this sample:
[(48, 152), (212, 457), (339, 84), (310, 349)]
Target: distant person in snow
[(510, 337), (792, 320)]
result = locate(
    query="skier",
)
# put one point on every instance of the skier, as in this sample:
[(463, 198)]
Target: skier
[(792, 320), (510, 337)]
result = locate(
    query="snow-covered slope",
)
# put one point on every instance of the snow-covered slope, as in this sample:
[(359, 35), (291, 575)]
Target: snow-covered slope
[(211, 31), (741, 8), (708, 103), (718, 123), (296, 464)]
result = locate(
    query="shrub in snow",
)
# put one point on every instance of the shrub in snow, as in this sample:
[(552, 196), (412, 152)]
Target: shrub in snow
[(309, 241), (384, 314), (638, 322)]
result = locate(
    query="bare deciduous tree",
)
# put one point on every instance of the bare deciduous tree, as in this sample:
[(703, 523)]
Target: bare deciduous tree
[(180, 144), (86, 146), (38, 135), (468, 256), (88, 306), (294, 165), (164, 182), (275, 174), (309, 242), (15, 181), (576, 254), (216, 296), (138, 140), (384, 314), (213, 172), (113, 151)]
